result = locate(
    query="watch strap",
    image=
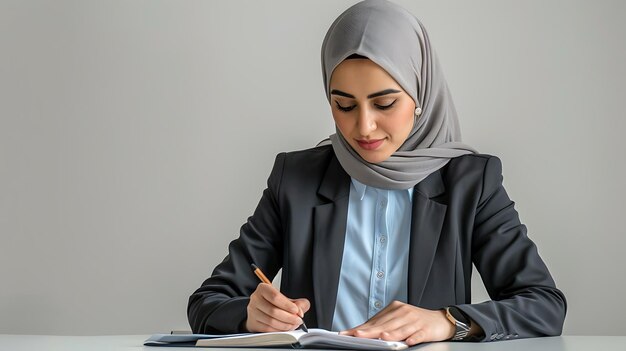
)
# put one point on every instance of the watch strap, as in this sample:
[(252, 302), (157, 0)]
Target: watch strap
[(461, 321)]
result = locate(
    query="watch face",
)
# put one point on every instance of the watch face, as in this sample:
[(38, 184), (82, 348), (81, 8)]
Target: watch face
[(458, 315)]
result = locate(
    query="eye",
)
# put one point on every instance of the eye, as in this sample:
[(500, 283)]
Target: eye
[(344, 109), (385, 107)]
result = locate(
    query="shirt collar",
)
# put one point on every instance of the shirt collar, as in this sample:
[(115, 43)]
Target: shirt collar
[(360, 189)]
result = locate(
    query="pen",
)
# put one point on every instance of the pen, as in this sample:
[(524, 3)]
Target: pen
[(264, 279)]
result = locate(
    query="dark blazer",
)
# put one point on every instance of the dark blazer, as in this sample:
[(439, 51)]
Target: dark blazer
[(461, 215)]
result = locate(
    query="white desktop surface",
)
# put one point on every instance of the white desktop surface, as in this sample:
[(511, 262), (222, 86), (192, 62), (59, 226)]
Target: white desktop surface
[(135, 342)]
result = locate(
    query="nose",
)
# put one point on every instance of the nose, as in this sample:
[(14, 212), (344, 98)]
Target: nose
[(366, 122)]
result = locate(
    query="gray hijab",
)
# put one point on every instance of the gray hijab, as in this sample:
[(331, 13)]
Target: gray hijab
[(393, 38)]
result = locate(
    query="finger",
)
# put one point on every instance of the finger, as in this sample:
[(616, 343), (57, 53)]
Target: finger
[(259, 321), (252, 323), (276, 298), (350, 331), (271, 310), (264, 323), (399, 334), (259, 303), (416, 338), (382, 323), (275, 324), (362, 327), (387, 314), (371, 333), (376, 331)]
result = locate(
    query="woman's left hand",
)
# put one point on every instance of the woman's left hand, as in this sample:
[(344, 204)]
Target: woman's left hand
[(403, 322)]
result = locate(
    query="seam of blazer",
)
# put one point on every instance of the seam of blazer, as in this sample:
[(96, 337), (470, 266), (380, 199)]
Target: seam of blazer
[(481, 201), (483, 198), (282, 158), (482, 185)]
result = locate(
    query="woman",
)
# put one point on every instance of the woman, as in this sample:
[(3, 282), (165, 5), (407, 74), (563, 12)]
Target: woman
[(376, 229)]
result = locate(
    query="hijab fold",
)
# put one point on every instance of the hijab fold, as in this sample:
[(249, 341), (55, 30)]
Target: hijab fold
[(394, 39)]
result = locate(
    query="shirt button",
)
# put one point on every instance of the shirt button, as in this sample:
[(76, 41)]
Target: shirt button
[(383, 239), (380, 274), (378, 304)]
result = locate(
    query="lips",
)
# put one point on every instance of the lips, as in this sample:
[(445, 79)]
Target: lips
[(370, 144)]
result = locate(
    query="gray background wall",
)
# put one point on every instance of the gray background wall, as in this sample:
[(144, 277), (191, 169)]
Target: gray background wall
[(137, 136)]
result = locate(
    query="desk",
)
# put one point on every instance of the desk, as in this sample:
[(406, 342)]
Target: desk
[(135, 343)]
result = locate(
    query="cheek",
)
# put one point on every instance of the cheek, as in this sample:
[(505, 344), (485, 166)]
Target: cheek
[(409, 120), (342, 123), (402, 123)]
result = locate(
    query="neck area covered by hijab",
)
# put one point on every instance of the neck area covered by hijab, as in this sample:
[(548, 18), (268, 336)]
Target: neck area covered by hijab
[(394, 39)]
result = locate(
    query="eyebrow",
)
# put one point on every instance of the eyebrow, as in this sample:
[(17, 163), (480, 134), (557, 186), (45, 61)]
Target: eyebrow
[(380, 93)]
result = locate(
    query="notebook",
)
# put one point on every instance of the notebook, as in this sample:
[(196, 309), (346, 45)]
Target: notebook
[(315, 338)]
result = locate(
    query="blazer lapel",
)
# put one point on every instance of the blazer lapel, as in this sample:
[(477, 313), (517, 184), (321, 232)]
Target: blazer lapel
[(329, 230), (426, 223)]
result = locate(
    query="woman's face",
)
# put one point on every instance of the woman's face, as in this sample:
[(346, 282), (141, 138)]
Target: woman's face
[(372, 112)]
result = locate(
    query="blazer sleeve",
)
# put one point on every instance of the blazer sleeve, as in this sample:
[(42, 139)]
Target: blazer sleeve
[(524, 299), (220, 304)]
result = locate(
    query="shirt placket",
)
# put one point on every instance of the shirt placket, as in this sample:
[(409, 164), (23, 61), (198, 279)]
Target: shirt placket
[(378, 277)]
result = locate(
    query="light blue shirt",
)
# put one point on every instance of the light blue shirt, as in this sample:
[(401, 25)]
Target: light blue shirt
[(374, 267)]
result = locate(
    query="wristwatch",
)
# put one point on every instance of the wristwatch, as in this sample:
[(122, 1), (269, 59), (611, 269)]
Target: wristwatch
[(461, 322)]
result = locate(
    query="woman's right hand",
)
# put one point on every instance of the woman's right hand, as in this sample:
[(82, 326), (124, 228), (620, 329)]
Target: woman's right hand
[(271, 311)]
